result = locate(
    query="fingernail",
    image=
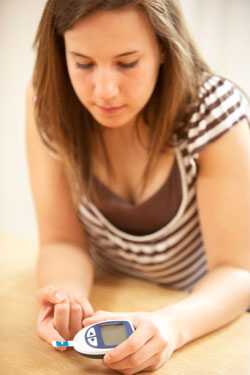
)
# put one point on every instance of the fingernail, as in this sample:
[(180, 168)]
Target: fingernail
[(63, 349)]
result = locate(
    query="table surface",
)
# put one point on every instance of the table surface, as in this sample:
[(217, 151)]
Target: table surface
[(226, 351)]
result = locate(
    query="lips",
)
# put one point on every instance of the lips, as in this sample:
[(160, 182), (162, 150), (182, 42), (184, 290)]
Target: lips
[(111, 108)]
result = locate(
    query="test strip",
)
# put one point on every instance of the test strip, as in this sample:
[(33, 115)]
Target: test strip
[(62, 344)]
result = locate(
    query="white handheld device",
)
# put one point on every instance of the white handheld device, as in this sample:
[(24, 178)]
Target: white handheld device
[(97, 339)]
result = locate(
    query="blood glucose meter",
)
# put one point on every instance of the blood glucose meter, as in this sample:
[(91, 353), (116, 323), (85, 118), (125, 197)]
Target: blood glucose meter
[(98, 339)]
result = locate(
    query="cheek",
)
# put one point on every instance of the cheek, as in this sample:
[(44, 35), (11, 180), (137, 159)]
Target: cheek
[(144, 84)]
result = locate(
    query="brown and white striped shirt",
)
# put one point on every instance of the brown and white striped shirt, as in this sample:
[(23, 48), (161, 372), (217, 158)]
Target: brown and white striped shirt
[(173, 254)]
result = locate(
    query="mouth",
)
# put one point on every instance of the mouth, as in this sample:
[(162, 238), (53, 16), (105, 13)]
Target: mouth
[(111, 109)]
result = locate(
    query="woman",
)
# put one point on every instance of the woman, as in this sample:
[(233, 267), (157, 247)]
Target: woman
[(139, 162)]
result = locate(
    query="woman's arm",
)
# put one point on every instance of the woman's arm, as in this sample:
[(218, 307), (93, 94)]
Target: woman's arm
[(221, 296), (65, 265), (223, 192), (218, 298), (63, 254), (224, 293)]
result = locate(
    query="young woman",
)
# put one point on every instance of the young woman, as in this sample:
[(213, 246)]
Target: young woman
[(139, 159)]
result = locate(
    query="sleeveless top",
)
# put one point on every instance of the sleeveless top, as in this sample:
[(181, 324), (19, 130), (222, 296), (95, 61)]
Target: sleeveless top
[(148, 216), (161, 239)]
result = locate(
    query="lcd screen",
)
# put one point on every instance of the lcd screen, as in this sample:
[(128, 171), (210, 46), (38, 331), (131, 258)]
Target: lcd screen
[(113, 334)]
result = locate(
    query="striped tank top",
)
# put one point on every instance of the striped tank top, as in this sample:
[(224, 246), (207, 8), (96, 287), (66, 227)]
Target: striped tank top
[(175, 254)]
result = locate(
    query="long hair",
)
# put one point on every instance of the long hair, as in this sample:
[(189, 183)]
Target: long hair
[(66, 125)]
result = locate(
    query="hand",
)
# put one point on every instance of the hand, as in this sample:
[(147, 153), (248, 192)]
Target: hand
[(62, 310), (148, 348)]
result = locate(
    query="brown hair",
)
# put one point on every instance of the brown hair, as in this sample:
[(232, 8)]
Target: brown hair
[(60, 114)]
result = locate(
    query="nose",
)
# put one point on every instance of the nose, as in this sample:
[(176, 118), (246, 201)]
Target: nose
[(106, 87)]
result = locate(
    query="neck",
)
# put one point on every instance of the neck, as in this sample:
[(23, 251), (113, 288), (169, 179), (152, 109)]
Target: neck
[(127, 135)]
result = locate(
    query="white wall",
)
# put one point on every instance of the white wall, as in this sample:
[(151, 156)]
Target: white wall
[(221, 28), (17, 27)]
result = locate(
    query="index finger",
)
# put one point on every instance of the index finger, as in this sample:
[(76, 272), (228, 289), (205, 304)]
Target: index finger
[(50, 294), (132, 344), (87, 308), (48, 333)]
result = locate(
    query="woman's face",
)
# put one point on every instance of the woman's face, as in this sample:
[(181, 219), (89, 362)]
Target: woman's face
[(113, 60)]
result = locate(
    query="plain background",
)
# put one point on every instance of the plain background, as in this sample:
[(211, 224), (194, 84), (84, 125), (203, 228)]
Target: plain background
[(220, 27)]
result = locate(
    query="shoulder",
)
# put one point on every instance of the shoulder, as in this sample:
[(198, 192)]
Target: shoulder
[(217, 92), (221, 105)]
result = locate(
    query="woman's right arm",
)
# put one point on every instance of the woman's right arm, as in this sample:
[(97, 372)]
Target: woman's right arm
[(63, 261)]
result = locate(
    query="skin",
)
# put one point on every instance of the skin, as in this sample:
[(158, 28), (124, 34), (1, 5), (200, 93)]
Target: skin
[(102, 36), (160, 333), (148, 348), (108, 82)]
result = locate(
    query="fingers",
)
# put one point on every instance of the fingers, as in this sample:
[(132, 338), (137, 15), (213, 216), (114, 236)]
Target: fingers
[(151, 364), (76, 315), (49, 334), (51, 294), (80, 309), (141, 358), (145, 349), (61, 313), (45, 328), (131, 345), (62, 318), (99, 316), (44, 312), (87, 309), (68, 318)]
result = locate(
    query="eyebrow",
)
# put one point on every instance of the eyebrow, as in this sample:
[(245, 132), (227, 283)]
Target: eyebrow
[(88, 57)]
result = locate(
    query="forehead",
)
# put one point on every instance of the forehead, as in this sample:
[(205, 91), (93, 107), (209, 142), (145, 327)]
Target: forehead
[(123, 27)]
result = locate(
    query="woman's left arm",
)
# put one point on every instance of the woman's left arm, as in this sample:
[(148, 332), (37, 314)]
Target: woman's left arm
[(223, 194), (223, 191)]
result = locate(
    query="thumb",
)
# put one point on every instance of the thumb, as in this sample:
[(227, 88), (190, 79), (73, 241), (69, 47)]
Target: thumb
[(48, 333), (51, 294)]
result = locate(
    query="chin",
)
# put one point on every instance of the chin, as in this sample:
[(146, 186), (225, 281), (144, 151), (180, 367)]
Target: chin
[(115, 123)]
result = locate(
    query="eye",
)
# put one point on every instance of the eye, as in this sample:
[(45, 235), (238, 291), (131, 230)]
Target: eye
[(123, 66)]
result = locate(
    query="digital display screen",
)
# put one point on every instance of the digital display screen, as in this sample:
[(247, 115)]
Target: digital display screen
[(113, 334)]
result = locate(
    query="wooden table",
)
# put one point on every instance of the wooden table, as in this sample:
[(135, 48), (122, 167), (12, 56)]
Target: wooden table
[(22, 352)]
